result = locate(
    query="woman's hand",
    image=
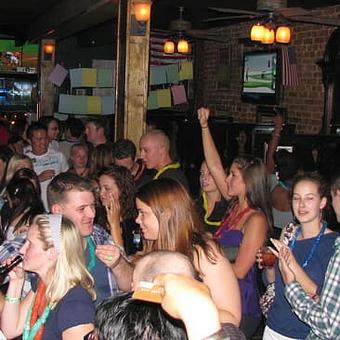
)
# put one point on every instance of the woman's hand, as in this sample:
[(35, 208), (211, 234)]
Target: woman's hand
[(108, 254), (285, 257), (281, 247), (189, 300), (17, 273), (203, 116), (181, 293), (113, 212), (259, 258)]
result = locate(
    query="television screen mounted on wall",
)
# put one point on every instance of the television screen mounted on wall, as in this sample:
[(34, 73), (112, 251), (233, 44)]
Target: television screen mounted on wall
[(260, 77)]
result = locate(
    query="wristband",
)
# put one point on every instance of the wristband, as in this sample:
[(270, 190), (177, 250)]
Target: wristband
[(204, 127), (10, 299)]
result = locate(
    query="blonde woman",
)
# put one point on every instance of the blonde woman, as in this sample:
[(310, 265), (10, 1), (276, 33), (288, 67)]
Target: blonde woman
[(15, 163), (61, 306)]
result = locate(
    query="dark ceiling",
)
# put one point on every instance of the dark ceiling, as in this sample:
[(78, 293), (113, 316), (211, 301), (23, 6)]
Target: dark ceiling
[(35, 18), (198, 10)]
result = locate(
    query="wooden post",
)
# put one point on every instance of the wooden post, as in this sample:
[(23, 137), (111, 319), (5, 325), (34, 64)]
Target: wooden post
[(130, 122), (46, 65)]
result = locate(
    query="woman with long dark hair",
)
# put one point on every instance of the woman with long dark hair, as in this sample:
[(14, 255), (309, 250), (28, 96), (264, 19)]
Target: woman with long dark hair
[(25, 203), (117, 191), (246, 225), (169, 221)]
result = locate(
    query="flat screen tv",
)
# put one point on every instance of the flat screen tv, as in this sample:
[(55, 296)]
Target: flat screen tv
[(17, 92), (260, 81)]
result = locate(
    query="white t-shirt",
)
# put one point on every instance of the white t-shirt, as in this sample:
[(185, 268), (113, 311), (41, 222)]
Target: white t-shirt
[(51, 160)]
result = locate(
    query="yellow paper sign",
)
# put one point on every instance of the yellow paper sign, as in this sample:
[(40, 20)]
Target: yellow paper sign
[(164, 98), (186, 70), (94, 105), (89, 77)]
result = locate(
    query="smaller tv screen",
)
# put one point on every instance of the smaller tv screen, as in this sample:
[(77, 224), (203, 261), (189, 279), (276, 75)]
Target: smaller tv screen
[(17, 93), (260, 77)]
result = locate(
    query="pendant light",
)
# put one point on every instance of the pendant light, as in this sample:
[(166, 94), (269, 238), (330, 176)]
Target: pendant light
[(268, 36), (256, 33), (283, 35), (183, 46), (169, 47)]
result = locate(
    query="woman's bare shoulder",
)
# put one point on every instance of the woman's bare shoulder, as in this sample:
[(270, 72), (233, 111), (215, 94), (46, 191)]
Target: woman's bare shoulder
[(256, 218)]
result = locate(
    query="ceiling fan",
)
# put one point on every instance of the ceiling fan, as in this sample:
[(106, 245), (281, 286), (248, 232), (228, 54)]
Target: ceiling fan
[(182, 27), (277, 9)]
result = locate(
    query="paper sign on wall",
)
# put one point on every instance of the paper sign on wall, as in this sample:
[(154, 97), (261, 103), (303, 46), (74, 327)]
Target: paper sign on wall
[(58, 75), (178, 94), (164, 98)]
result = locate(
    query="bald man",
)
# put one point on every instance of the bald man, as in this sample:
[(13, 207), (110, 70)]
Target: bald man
[(162, 262), (155, 152)]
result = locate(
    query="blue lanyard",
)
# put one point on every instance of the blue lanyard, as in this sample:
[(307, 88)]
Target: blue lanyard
[(314, 245)]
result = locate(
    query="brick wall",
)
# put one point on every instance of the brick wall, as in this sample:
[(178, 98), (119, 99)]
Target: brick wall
[(305, 102)]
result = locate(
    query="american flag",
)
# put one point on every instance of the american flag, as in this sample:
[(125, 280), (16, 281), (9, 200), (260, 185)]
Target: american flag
[(158, 57), (289, 71)]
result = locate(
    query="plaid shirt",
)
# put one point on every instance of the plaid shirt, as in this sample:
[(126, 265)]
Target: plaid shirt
[(11, 247), (322, 317), (99, 235)]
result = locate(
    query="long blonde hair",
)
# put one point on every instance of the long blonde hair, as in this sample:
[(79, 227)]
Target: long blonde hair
[(70, 269), (13, 163)]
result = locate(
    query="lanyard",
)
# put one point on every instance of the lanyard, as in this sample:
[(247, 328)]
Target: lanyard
[(314, 245), (231, 220), (206, 216), (167, 167)]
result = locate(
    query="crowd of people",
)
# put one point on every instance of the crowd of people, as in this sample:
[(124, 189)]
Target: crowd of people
[(113, 245)]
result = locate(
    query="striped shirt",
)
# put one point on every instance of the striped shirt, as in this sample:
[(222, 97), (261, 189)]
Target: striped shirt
[(324, 316)]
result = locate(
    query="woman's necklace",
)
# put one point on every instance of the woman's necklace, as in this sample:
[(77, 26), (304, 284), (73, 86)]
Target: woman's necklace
[(92, 253), (33, 327), (232, 219), (314, 245), (206, 215), (167, 167), (82, 173)]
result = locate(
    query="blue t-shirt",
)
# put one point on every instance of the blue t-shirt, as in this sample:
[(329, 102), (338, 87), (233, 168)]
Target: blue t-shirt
[(74, 309), (281, 318)]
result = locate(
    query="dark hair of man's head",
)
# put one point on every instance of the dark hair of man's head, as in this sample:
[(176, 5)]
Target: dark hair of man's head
[(124, 148), (64, 183), (100, 123), (335, 182), (122, 317), (75, 126), (46, 120), (35, 127)]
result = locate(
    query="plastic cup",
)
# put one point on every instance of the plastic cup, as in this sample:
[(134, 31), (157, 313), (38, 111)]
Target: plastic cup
[(268, 258)]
